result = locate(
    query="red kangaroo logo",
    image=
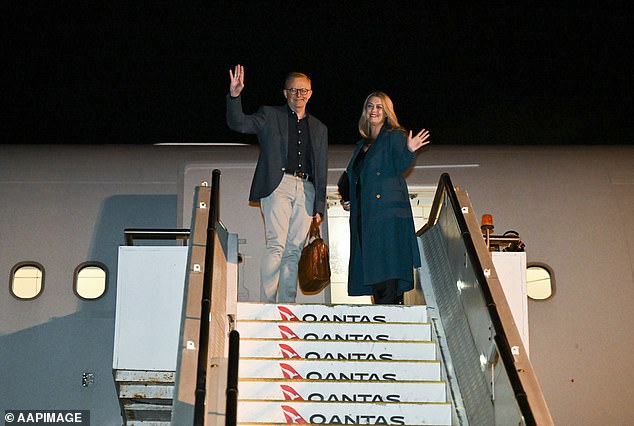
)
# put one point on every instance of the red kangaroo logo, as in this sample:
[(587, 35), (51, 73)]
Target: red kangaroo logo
[(286, 314), (289, 372), (288, 352), (287, 333), (290, 394), (292, 416)]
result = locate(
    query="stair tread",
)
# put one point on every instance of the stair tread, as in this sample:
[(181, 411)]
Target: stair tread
[(342, 391), (274, 339), (379, 361), (146, 391), (328, 349), (338, 312), (338, 331), (338, 363), (147, 423), (311, 369), (414, 413), (328, 305), (330, 381), (150, 376)]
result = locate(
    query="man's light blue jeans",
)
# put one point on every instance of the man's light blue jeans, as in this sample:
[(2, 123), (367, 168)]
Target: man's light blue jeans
[(287, 214)]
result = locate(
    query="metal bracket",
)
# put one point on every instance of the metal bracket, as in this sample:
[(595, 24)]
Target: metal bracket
[(87, 379)]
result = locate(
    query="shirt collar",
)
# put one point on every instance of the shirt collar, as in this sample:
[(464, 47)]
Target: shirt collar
[(294, 114)]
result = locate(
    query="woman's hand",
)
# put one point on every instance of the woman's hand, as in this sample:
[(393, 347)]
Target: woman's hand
[(415, 142)]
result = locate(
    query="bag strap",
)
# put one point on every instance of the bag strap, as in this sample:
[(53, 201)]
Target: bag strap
[(314, 229)]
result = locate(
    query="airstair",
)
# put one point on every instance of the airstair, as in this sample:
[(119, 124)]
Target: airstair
[(339, 364), (452, 355), (145, 396), (309, 363)]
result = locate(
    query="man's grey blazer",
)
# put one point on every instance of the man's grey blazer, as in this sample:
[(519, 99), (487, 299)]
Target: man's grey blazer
[(270, 124)]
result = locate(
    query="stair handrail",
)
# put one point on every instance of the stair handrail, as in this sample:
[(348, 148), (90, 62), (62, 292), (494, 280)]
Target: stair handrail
[(203, 342), (231, 411), (444, 187), (532, 415)]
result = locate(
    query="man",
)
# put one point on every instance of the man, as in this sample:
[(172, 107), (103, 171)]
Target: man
[(289, 180)]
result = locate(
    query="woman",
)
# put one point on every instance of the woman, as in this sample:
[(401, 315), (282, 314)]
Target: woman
[(383, 246)]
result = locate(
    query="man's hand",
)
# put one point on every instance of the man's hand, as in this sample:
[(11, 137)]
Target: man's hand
[(237, 81)]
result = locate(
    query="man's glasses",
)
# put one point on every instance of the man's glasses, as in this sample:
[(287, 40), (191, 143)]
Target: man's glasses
[(295, 91)]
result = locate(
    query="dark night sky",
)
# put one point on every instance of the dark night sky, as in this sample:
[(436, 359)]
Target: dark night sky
[(103, 72)]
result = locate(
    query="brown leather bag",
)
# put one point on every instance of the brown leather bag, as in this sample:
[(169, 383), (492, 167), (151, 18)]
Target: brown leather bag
[(314, 263)]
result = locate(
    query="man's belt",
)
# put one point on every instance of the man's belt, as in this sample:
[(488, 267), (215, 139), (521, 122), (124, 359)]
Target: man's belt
[(301, 175)]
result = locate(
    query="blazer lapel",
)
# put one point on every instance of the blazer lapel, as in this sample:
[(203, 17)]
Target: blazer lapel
[(282, 122), (312, 128)]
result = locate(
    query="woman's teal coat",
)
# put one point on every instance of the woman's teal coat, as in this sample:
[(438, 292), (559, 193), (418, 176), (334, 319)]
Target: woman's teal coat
[(390, 249)]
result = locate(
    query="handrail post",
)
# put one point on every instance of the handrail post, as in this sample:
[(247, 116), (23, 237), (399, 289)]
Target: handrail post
[(232, 379)]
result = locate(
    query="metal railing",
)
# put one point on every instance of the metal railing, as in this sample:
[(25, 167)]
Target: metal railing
[(205, 303), (476, 318), (231, 411)]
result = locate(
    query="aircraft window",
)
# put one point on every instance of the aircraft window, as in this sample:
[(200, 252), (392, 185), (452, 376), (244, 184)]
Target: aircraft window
[(540, 282), (90, 281), (27, 280)]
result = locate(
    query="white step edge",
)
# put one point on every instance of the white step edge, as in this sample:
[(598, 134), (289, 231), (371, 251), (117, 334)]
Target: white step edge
[(337, 313), (148, 391), (341, 391), (334, 330), (324, 369), (154, 376), (149, 407), (329, 349), (344, 413)]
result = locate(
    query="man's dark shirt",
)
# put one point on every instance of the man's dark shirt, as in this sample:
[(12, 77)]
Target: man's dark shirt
[(299, 158)]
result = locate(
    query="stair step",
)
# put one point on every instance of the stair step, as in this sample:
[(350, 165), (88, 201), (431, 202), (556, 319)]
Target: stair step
[(334, 330), (148, 376), (338, 364), (147, 423), (341, 391), (331, 313), (145, 396), (313, 369), (331, 349), (412, 413), (143, 391), (148, 411)]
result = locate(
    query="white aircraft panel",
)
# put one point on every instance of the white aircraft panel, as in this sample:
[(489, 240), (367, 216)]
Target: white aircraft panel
[(150, 285)]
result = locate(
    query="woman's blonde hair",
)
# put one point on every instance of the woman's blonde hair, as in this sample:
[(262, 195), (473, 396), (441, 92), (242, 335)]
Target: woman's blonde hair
[(388, 108)]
